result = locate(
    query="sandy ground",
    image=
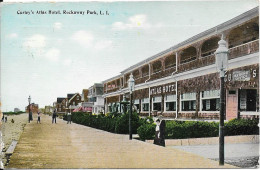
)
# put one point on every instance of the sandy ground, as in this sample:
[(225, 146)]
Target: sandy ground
[(11, 131)]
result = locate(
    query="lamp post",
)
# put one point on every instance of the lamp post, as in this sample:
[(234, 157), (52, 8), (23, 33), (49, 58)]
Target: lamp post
[(221, 65), (131, 87), (29, 100)]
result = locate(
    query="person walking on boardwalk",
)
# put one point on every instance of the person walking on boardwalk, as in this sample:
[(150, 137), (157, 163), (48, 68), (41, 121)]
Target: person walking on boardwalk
[(69, 118), (54, 115), (162, 133), (30, 117), (39, 117), (157, 133)]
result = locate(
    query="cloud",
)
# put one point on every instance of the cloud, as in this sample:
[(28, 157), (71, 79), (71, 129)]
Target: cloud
[(12, 35), (136, 21), (34, 45), (57, 25), (67, 62), (103, 44), (82, 37), (35, 41), (53, 54)]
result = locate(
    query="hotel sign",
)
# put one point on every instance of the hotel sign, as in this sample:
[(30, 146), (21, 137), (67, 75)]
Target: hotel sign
[(244, 75), (163, 89)]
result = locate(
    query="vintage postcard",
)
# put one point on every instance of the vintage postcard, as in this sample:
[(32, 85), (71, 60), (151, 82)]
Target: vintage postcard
[(129, 84)]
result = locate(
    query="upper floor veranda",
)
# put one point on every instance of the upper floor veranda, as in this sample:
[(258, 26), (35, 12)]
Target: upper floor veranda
[(241, 34)]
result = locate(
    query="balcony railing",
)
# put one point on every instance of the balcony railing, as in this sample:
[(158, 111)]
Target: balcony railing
[(244, 49), (109, 90), (141, 79), (202, 61)]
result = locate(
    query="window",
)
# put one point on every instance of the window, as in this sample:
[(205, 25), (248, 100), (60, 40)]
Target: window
[(117, 107), (157, 103), (109, 109), (170, 103), (77, 97), (114, 107), (136, 103), (73, 103), (210, 100), (188, 102), (145, 104), (247, 100)]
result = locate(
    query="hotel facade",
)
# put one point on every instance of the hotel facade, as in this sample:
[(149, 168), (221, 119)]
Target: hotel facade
[(182, 81)]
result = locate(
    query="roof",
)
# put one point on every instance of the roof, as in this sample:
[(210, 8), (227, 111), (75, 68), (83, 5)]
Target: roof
[(113, 78), (70, 95), (98, 85), (60, 99), (73, 96)]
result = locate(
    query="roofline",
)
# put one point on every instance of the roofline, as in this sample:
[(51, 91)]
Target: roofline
[(60, 98), (73, 96), (110, 79), (250, 13)]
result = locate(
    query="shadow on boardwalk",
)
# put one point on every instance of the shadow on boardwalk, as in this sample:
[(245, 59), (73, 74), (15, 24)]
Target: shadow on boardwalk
[(63, 145)]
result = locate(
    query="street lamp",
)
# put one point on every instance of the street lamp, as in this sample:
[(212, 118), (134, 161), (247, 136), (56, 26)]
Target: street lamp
[(29, 100), (221, 65), (131, 87)]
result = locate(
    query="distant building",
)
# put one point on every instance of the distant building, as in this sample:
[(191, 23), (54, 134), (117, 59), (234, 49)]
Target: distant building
[(16, 110), (84, 95), (34, 108), (59, 107), (48, 109), (74, 102), (95, 93), (42, 110)]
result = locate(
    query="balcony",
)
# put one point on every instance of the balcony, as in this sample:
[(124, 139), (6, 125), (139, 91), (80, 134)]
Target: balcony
[(169, 71), (202, 61), (110, 90), (244, 49), (141, 79), (157, 75)]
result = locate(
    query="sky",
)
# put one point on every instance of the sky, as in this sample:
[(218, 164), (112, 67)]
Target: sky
[(50, 55)]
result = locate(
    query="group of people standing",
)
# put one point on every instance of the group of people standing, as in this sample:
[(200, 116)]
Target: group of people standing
[(4, 118), (54, 116), (38, 116)]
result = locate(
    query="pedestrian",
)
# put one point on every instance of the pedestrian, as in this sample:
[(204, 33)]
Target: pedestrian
[(69, 118), (5, 119), (157, 133), (162, 133), (31, 117), (39, 117), (54, 114)]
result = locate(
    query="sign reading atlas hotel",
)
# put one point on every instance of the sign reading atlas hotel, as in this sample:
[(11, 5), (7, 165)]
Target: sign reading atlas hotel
[(162, 89)]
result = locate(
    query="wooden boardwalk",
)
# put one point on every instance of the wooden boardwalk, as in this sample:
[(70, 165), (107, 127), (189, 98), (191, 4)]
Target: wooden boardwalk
[(69, 146)]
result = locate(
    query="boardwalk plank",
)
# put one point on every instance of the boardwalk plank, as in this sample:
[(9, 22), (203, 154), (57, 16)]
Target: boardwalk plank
[(69, 146)]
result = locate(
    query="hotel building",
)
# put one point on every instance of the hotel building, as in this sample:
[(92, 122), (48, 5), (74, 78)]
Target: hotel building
[(182, 81)]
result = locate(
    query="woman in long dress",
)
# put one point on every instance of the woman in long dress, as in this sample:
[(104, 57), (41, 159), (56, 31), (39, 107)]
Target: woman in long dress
[(157, 133)]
